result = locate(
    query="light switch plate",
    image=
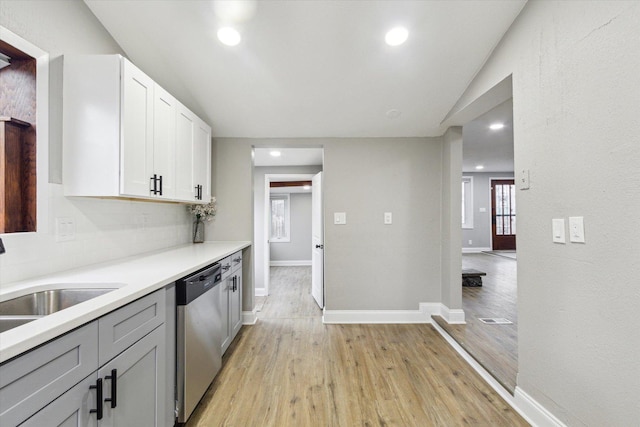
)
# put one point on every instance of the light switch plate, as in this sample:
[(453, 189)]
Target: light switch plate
[(557, 226), (339, 218), (524, 179), (576, 229), (388, 218)]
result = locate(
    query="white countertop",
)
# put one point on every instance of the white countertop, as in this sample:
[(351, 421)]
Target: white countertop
[(134, 276)]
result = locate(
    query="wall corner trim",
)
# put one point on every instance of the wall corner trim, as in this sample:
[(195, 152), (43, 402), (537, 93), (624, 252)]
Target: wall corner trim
[(535, 412), (249, 317), (422, 315)]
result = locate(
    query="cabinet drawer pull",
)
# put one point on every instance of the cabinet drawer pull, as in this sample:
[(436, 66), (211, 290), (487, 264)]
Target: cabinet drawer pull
[(114, 388), (98, 388), (160, 185)]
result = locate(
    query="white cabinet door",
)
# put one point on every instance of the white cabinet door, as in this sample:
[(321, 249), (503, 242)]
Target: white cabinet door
[(164, 142), (138, 390), (185, 138), (136, 142), (202, 162)]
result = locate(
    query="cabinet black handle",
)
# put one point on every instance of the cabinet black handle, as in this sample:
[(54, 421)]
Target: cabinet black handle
[(114, 388), (160, 184), (319, 246), (154, 187), (98, 388)]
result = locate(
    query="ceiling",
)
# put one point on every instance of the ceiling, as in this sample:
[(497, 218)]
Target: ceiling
[(492, 149), (313, 68)]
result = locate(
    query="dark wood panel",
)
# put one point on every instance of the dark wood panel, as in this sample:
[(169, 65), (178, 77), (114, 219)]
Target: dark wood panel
[(279, 184)]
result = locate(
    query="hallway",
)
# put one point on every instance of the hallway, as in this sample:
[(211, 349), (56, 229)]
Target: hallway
[(292, 370)]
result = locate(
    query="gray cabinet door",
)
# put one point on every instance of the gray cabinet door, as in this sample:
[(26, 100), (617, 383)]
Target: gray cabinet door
[(72, 409), (140, 387), (225, 294), (235, 305), (31, 381)]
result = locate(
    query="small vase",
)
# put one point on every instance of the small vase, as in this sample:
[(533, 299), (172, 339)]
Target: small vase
[(198, 231)]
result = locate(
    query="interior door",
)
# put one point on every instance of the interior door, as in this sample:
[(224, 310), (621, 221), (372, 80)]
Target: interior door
[(317, 241), (503, 214)]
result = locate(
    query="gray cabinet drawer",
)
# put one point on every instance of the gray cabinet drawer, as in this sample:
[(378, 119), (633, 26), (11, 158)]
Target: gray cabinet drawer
[(120, 329), (31, 381), (236, 261)]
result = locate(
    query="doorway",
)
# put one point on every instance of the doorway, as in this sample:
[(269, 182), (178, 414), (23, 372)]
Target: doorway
[(285, 186), (503, 214)]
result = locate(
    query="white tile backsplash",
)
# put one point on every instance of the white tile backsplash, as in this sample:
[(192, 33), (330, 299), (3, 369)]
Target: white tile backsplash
[(106, 229)]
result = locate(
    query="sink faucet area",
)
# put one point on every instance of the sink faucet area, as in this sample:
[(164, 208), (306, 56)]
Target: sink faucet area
[(26, 308)]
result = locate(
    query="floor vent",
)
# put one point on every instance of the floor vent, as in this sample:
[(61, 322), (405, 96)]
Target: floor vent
[(495, 320)]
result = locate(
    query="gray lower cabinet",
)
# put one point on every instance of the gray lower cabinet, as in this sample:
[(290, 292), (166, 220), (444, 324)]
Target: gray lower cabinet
[(72, 409), (124, 351), (135, 399), (231, 299)]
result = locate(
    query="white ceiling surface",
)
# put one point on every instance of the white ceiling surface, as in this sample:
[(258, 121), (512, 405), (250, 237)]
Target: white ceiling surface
[(491, 148), (288, 157), (313, 68)]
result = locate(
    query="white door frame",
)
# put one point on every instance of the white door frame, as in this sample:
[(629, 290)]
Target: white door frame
[(268, 178)]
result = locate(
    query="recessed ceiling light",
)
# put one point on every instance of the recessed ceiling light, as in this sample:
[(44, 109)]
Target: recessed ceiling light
[(307, 187), (496, 126), (229, 36), (396, 36), (275, 153), (479, 167)]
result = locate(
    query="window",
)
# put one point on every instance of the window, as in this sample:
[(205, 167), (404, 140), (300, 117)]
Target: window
[(467, 202), (280, 218), (18, 161)]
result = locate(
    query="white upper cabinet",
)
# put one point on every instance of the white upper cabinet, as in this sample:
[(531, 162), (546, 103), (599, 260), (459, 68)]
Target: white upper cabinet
[(125, 136), (185, 139), (202, 162)]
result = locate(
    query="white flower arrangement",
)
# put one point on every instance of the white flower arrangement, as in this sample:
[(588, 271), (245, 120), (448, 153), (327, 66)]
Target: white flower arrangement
[(205, 212)]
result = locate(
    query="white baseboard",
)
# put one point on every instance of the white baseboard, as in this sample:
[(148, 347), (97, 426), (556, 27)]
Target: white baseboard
[(292, 263), (475, 250), (261, 292), (453, 316), (249, 317), (536, 414), (422, 315)]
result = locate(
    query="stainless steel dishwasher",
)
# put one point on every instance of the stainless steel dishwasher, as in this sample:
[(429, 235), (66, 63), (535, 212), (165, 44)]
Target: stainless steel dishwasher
[(198, 336)]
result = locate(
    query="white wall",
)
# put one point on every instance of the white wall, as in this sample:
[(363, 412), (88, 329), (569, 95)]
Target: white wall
[(105, 229), (298, 248), (480, 234), (368, 266), (576, 94)]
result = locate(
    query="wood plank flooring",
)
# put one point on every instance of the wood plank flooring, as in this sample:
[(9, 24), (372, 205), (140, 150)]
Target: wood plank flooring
[(495, 347), (291, 370)]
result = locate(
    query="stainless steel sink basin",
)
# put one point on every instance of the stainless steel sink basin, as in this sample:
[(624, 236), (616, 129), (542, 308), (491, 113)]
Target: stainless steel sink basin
[(24, 309)]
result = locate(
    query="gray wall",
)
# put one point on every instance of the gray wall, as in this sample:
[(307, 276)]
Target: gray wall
[(368, 265), (576, 92), (480, 234), (299, 246)]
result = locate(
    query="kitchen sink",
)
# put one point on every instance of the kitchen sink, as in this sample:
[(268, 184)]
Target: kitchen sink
[(29, 307)]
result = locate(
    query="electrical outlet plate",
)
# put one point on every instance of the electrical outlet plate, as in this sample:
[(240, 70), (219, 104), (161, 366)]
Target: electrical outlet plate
[(576, 229), (65, 229), (388, 218)]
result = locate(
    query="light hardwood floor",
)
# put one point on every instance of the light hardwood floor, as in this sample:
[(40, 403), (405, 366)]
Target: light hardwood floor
[(292, 370), (495, 347)]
